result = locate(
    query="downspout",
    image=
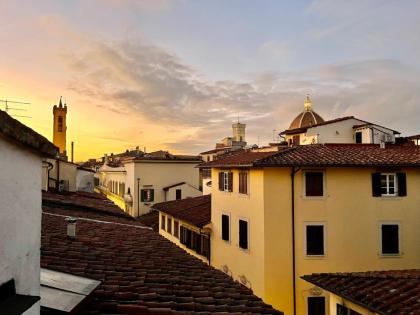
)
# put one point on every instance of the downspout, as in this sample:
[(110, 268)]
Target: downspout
[(50, 167), (292, 175), (138, 196), (57, 183)]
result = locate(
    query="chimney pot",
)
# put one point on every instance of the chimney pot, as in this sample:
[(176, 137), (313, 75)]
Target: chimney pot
[(71, 227)]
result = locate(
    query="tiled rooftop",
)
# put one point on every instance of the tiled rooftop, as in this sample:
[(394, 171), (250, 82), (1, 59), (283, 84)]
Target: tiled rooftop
[(196, 211), (17, 132), (394, 292), (239, 158), (323, 155), (141, 272)]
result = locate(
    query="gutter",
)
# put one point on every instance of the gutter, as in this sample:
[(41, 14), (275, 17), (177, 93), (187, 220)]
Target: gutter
[(292, 177)]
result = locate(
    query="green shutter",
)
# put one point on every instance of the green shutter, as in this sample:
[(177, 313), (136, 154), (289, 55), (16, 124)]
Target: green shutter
[(376, 184), (402, 184)]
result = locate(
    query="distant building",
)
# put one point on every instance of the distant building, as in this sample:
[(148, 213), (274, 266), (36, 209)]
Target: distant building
[(228, 144), (136, 183), (22, 151), (277, 216), (186, 223), (310, 128)]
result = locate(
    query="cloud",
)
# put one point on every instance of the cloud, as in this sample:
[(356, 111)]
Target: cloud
[(137, 78)]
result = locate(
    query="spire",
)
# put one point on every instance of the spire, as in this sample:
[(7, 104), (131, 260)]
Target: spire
[(308, 104), (60, 104)]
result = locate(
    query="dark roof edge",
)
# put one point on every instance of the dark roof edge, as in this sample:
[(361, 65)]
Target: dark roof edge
[(13, 130), (370, 308)]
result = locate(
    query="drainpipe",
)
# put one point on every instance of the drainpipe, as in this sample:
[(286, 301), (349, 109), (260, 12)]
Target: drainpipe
[(50, 167), (292, 176), (57, 183), (138, 196)]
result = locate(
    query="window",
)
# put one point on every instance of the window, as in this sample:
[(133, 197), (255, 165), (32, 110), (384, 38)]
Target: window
[(206, 173), (176, 228), (314, 184), (316, 305), (200, 243), (225, 181), (178, 194), (358, 138), (243, 234), (169, 226), (163, 222), (389, 184), (147, 195), (390, 239), (315, 240), (225, 227), (243, 182), (342, 310), (60, 124), (296, 140)]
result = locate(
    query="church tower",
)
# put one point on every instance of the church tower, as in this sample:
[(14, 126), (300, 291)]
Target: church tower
[(60, 127), (238, 132)]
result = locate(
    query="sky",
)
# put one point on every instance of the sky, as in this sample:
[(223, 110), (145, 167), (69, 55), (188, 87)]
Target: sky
[(175, 74)]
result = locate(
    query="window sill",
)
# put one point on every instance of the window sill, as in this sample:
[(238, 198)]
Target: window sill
[(316, 257), (314, 197), (399, 255), (246, 251), (246, 196)]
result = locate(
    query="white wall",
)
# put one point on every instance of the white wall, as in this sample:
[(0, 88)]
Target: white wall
[(20, 219), (187, 190), (84, 180)]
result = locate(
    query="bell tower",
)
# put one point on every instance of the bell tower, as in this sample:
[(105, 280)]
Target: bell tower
[(60, 127), (238, 132)]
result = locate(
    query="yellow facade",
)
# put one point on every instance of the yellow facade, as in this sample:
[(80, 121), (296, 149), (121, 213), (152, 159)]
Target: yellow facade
[(351, 217), (60, 126)]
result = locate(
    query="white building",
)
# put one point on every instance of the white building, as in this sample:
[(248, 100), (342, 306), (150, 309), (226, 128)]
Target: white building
[(22, 150), (64, 175), (135, 184), (310, 128)]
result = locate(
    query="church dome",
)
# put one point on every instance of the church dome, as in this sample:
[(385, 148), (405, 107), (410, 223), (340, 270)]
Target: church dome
[(307, 118)]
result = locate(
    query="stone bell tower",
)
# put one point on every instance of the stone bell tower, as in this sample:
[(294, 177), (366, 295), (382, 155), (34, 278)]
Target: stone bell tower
[(60, 127)]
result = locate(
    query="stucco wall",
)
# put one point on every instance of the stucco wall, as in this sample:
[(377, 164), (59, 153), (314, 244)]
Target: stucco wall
[(68, 173), (20, 223), (249, 263), (186, 191), (351, 216), (84, 180)]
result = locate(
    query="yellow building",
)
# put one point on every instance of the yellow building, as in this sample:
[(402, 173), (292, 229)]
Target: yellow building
[(60, 127), (277, 216)]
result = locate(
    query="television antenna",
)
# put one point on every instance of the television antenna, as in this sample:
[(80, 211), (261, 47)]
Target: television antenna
[(7, 108)]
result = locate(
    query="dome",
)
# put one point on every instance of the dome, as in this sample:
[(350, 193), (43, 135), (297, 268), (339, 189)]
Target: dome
[(307, 118)]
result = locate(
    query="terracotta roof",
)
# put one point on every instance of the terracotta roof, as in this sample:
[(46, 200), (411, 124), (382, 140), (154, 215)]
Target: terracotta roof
[(383, 292), (345, 155), (216, 150), (172, 186), (140, 271), (17, 132), (150, 219), (240, 158), (196, 211)]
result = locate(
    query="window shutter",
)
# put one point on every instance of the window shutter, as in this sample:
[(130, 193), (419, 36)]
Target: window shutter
[(376, 184), (152, 195), (142, 195), (230, 181), (402, 184), (221, 174)]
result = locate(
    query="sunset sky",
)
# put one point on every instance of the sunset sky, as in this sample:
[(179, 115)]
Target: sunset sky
[(174, 75)]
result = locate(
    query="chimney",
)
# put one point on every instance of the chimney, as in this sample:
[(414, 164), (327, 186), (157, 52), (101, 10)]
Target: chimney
[(382, 144), (71, 227)]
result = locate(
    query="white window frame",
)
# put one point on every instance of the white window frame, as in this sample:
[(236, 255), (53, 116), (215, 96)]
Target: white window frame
[(387, 194), (400, 252), (230, 227), (248, 234), (324, 183), (226, 181), (315, 223)]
